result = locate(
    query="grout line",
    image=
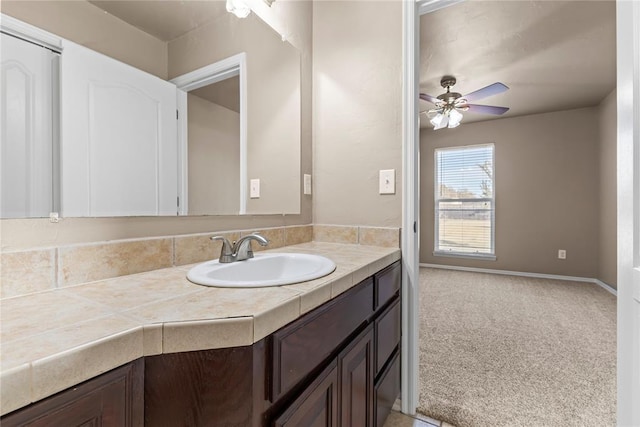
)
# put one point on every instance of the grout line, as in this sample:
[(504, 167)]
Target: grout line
[(173, 251), (56, 268)]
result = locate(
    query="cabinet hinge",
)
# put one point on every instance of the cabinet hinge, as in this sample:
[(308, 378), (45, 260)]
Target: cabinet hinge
[(177, 114)]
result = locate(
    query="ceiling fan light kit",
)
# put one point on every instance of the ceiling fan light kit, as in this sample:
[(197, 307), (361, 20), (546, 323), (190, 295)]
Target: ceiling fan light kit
[(448, 106)]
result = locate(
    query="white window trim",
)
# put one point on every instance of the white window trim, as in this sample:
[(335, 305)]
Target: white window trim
[(436, 223)]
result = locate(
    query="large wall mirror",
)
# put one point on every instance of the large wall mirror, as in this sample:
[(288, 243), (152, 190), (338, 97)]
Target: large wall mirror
[(117, 141)]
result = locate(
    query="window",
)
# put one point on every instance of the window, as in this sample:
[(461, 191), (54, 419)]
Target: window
[(465, 201)]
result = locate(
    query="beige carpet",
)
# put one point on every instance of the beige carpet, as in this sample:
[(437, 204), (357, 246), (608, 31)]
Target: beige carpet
[(513, 351)]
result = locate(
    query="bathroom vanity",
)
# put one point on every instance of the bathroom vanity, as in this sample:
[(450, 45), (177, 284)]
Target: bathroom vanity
[(337, 364)]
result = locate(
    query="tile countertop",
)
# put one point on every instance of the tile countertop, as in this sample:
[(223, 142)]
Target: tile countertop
[(53, 340)]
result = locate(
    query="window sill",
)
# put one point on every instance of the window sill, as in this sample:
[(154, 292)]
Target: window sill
[(483, 257)]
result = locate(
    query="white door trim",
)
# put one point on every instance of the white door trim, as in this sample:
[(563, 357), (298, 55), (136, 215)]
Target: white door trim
[(235, 65), (628, 203), (410, 208), (28, 32)]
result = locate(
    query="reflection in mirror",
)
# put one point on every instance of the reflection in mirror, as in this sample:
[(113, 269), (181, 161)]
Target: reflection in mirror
[(27, 136), (184, 36), (213, 128)]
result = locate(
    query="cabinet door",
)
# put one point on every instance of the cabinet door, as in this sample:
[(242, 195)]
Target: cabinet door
[(387, 333), (317, 406), (110, 400), (387, 390), (355, 366)]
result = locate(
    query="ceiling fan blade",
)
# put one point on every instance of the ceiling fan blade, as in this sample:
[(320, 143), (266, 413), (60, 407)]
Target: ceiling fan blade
[(486, 109), (486, 91), (429, 98)]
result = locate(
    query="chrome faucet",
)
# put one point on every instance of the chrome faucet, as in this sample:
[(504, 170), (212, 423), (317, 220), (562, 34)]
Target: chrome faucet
[(240, 250), (226, 253)]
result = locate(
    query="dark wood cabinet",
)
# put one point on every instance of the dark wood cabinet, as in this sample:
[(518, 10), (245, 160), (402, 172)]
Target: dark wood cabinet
[(113, 399), (368, 367), (209, 388), (387, 284), (355, 367), (387, 334), (318, 404), (387, 389), (336, 366), (304, 344)]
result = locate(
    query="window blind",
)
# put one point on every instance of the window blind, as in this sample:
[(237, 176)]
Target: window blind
[(464, 200)]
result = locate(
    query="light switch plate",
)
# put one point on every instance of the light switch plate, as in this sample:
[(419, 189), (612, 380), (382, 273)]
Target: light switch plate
[(307, 184), (254, 189), (388, 181)]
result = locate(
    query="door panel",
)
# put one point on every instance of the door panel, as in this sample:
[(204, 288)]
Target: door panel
[(119, 139), (27, 137)]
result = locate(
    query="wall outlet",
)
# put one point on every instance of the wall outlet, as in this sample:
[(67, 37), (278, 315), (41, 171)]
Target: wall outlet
[(388, 181), (307, 184), (254, 189), (562, 254)]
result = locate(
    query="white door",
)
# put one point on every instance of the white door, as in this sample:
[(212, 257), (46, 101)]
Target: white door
[(118, 138), (26, 139), (628, 70)]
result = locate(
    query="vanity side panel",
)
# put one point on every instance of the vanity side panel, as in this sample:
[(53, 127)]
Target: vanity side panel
[(200, 388), (113, 399)]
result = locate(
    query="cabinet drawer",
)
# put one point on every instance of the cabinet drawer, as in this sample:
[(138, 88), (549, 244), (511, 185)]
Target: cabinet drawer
[(304, 344), (387, 333), (387, 283), (387, 390)]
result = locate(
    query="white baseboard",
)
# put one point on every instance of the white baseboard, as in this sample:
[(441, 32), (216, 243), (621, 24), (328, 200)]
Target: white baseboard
[(525, 274)]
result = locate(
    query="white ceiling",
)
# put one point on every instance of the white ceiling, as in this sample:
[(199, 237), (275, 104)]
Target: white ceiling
[(167, 19), (553, 55)]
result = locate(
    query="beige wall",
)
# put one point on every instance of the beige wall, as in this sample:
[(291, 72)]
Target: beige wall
[(214, 158), (357, 89), (84, 24), (87, 25), (273, 101), (547, 191), (607, 256)]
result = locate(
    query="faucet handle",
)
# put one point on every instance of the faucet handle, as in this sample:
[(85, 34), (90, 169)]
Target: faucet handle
[(226, 252), (242, 248)]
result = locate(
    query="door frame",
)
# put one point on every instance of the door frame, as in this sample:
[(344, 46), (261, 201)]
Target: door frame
[(628, 203), (232, 66), (410, 234)]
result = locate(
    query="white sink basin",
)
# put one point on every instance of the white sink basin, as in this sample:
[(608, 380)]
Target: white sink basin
[(262, 270)]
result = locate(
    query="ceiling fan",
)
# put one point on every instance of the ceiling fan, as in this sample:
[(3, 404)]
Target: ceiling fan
[(448, 106)]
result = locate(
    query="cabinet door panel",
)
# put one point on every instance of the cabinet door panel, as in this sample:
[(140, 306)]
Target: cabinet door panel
[(317, 406), (356, 382), (387, 332), (387, 283), (387, 390), (304, 344)]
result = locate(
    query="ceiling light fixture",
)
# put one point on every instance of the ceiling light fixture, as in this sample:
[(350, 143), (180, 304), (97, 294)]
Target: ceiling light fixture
[(448, 106), (238, 8), (447, 118)]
